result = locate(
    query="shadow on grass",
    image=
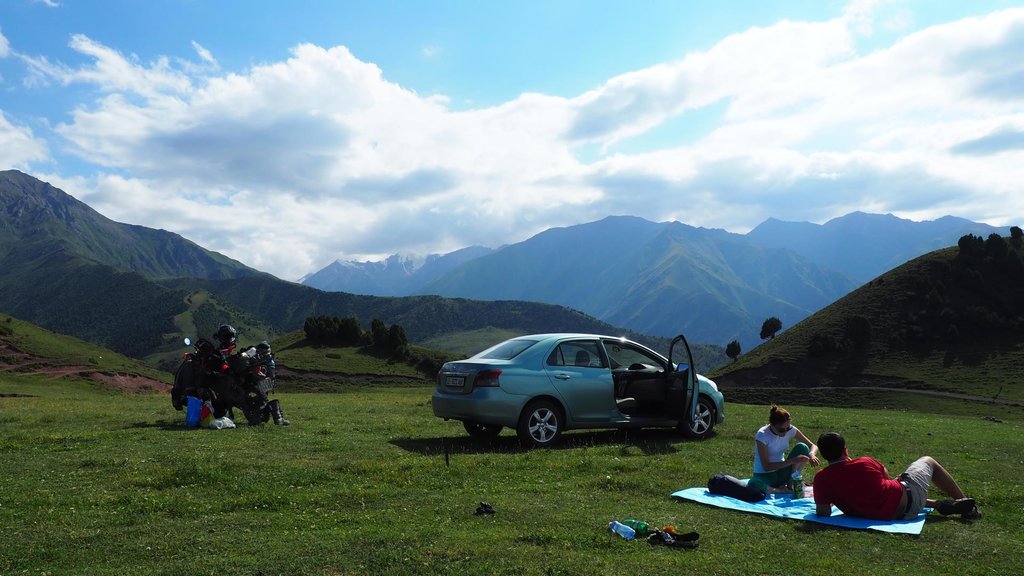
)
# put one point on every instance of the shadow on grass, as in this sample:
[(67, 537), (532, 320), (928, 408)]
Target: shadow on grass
[(817, 527), (172, 425), (650, 442), (934, 518)]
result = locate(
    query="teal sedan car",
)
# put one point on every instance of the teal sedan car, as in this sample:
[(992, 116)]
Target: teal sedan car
[(544, 384)]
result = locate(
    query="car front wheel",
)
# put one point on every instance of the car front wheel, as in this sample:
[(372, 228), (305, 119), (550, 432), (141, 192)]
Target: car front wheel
[(704, 422), (478, 430), (540, 424)]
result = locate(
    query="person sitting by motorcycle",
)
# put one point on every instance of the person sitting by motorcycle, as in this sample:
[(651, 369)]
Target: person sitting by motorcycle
[(229, 380), (226, 337), (270, 371), (254, 367), (209, 370)]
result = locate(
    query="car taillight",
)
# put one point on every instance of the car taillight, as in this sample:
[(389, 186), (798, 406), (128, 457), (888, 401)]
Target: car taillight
[(487, 378), (439, 378)]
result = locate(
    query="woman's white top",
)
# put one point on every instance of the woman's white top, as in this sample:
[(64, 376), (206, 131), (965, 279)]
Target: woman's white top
[(776, 445)]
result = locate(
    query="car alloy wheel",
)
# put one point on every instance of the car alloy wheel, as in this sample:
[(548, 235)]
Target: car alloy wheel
[(540, 424), (701, 426)]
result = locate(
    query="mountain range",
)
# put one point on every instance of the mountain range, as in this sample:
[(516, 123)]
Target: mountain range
[(138, 291), (663, 278), (397, 275)]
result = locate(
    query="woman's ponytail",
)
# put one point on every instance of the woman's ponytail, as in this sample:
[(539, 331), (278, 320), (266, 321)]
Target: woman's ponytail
[(778, 415)]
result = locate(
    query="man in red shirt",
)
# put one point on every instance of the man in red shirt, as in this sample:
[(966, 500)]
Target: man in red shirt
[(862, 486)]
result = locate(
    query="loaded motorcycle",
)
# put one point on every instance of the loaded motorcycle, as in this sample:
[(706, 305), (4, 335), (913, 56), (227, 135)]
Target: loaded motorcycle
[(241, 380)]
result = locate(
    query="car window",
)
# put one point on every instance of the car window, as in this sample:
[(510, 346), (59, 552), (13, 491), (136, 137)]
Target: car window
[(624, 355), (584, 353), (507, 350)]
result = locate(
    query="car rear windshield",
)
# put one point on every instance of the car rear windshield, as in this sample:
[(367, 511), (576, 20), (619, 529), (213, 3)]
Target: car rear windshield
[(507, 350)]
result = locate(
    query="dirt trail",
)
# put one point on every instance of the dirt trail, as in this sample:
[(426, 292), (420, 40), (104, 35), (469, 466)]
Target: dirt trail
[(13, 360)]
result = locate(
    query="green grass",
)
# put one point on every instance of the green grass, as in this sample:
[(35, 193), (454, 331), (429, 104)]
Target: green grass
[(53, 350), (101, 483), (470, 342), (343, 359)]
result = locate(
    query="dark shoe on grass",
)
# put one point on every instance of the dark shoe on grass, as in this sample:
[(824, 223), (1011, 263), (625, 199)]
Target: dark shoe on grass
[(961, 506), (974, 514)]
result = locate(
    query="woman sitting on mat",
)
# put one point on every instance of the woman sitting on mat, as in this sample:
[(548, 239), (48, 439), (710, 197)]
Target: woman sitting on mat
[(772, 471)]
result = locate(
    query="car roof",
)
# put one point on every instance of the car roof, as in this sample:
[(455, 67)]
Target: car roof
[(562, 335)]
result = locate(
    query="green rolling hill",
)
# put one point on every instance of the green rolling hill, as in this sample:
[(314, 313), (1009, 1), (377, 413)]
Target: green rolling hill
[(948, 322), (139, 291), (27, 349)]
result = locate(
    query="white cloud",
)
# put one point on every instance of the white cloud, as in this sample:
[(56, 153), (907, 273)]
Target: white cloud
[(49, 3), (289, 165), (5, 46), (111, 72), (203, 53), (18, 146)]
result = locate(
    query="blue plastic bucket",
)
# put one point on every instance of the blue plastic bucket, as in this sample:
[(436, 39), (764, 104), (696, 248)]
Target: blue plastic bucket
[(192, 411)]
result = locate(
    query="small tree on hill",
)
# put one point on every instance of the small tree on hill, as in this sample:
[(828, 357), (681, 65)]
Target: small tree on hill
[(349, 331), (379, 332), (397, 340), (732, 350), (996, 247), (971, 246), (1016, 236), (770, 327)]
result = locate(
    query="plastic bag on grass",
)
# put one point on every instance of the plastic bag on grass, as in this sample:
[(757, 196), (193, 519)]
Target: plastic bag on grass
[(221, 423)]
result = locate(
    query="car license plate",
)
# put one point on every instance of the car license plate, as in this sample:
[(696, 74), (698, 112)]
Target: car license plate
[(455, 381)]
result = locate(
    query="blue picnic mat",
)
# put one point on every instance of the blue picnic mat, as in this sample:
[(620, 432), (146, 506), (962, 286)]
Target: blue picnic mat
[(784, 506)]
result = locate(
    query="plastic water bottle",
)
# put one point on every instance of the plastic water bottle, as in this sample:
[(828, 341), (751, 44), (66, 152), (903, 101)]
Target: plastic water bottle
[(798, 485), (639, 526), (622, 530)]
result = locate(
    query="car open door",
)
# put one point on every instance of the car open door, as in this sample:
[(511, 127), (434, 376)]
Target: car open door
[(682, 383)]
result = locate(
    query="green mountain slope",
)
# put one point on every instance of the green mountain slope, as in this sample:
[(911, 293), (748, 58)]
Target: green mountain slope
[(139, 291), (951, 321), (36, 217), (654, 278), (69, 269), (28, 349), (69, 294)]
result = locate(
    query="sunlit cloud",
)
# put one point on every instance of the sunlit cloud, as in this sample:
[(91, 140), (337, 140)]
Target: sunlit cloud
[(19, 148), (290, 164)]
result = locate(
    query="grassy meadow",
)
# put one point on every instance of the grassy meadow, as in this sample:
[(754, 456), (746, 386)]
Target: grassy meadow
[(369, 482)]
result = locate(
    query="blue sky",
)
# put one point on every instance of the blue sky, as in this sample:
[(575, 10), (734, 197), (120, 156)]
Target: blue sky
[(288, 135)]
